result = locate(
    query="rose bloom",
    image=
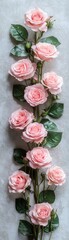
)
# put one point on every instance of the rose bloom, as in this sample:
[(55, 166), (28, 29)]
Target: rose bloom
[(56, 176), (36, 19), (39, 157), (53, 82), (35, 94), (40, 214), (45, 51), (20, 119), (23, 69), (35, 132), (18, 182)]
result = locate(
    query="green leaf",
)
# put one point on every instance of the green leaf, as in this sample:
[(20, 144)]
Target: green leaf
[(25, 167), (18, 155), (47, 228), (50, 126), (47, 196), (29, 170), (18, 92), (19, 51), (52, 139), (21, 205), (25, 228), (18, 32), (52, 224), (56, 110), (52, 40)]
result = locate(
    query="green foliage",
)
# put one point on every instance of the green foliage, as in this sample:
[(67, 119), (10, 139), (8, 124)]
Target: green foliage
[(18, 92), (56, 110), (53, 223), (52, 139), (29, 170), (18, 32), (18, 155), (49, 125), (19, 51), (47, 196), (52, 40), (21, 205), (25, 228)]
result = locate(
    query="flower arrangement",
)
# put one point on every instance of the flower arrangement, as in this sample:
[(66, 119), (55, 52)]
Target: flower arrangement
[(38, 176)]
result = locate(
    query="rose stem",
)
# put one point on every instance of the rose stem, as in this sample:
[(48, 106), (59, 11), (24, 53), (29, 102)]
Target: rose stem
[(34, 230), (55, 188), (37, 232), (36, 38), (35, 112), (41, 233), (36, 187), (48, 109), (29, 147), (50, 236), (44, 185), (37, 115), (38, 35)]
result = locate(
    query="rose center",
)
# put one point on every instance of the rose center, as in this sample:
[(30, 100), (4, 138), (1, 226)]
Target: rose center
[(36, 17), (43, 213), (20, 181), (34, 130), (39, 156), (21, 118), (51, 81)]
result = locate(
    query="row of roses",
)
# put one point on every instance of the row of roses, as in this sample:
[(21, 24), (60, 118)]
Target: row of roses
[(25, 69), (36, 94), (19, 181)]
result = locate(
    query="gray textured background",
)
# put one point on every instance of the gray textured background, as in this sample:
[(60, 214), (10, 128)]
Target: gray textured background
[(12, 12)]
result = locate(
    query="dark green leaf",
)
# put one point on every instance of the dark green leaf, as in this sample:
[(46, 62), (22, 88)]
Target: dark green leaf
[(50, 126), (19, 51), (51, 40), (56, 110), (21, 205), (18, 92), (18, 155), (53, 139), (25, 169), (29, 171), (25, 228), (47, 196), (18, 32), (52, 224), (47, 228)]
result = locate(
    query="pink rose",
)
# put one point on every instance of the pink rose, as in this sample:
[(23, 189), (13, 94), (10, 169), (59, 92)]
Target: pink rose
[(35, 94), (40, 214), (36, 20), (35, 132), (39, 157), (53, 82), (56, 175), (23, 69), (45, 51), (20, 119), (18, 182)]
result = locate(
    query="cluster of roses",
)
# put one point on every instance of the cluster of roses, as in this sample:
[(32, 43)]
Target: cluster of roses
[(33, 131)]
